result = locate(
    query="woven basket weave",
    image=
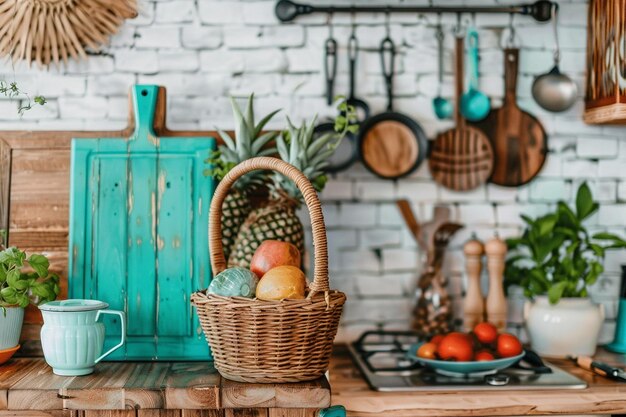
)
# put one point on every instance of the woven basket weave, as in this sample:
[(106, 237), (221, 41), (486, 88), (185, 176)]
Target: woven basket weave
[(271, 341)]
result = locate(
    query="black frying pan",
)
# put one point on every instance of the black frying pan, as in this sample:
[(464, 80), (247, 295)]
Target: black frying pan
[(345, 154), (391, 144)]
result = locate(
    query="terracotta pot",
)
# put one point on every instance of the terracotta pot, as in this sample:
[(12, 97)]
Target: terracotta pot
[(570, 327)]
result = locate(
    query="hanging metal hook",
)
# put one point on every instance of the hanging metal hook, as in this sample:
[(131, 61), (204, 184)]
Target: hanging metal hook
[(329, 22), (510, 43), (352, 23), (557, 48), (387, 22), (458, 27)]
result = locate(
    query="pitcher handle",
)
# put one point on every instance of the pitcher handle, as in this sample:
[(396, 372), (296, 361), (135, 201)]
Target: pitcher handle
[(123, 324)]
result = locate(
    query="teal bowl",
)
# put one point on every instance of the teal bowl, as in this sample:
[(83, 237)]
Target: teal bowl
[(465, 368)]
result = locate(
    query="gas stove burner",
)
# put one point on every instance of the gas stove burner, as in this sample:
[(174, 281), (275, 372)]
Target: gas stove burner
[(382, 358), (497, 380), (385, 351)]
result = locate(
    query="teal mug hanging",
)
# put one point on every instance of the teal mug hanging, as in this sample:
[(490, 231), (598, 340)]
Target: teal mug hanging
[(71, 337)]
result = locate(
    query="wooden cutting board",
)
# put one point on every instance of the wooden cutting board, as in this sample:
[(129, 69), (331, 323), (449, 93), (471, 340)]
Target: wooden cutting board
[(461, 158), (138, 234), (519, 140), (34, 195)]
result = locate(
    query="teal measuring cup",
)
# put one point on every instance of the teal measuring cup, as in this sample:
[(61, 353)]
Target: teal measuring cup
[(475, 105)]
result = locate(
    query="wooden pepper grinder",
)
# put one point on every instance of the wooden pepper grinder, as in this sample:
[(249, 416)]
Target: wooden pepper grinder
[(496, 301), (474, 302)]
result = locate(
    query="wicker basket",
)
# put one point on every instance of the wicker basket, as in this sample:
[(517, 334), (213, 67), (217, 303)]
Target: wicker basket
[(271, 341)]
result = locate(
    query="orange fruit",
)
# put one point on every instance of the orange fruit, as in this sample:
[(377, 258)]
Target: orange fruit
[(427, 351)]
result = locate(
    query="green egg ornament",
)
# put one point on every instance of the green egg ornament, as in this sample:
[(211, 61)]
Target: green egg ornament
[(234, 282)]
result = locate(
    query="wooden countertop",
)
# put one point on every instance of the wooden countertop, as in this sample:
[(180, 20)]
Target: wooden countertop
[(182, 387), (603, 396), (29, 384)]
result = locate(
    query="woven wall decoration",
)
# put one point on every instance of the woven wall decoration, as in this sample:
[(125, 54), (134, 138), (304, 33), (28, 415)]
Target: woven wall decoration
[(605, 101), (46, 31)]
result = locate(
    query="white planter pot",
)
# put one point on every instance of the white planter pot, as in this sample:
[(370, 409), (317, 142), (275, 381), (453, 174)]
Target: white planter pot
[(10, 327), (570, 327)]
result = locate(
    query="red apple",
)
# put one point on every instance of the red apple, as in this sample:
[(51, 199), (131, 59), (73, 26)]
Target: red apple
[(273, 253)]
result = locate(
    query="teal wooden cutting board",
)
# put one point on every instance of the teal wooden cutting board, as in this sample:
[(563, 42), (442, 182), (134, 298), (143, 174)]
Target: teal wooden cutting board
[(138, 234)]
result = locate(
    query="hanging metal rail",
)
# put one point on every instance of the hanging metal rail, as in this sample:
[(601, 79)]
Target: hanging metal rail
[(287, 10)]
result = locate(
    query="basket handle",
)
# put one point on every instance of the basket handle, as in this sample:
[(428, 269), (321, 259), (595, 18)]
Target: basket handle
[(216, 250)]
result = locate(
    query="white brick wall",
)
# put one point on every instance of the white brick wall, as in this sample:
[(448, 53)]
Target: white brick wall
[(205, 50)]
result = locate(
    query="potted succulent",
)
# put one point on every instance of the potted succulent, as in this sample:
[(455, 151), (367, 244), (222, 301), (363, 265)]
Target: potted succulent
[(23, 281), (555, 261)]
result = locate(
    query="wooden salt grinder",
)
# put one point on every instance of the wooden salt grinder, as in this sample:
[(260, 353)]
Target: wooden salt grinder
[(496, 301), (474, 302)]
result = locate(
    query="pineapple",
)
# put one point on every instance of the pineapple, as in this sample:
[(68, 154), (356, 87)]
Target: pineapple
[(278, 219), (248, 143)]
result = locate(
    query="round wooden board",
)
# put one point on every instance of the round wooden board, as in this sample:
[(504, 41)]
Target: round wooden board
[(461, 159), (390, 149)]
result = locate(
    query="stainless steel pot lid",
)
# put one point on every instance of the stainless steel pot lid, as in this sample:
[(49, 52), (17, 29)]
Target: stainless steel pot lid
[(73, 305)]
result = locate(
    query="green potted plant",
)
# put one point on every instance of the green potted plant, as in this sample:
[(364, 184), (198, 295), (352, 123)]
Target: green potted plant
[(555, 261), (23, 281)]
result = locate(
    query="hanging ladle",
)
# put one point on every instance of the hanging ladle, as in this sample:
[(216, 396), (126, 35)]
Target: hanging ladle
[(475, 104), (554, 91), (442, 106)]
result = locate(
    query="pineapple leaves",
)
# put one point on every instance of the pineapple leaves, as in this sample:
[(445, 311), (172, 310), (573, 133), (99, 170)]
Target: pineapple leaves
[(261, 141), (250, 113), (298, 146), (319, 144), (227, 139), (241, 131), (259, 127), (247, 143), (282, 148)]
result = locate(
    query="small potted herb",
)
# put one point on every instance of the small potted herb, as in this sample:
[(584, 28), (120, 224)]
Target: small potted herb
[(555, 261), (23, 281)]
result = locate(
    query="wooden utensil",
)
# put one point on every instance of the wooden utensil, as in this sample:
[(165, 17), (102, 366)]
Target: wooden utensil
[(462, 157), (519, 141), (414, 227), (495, 304), (474, 302)]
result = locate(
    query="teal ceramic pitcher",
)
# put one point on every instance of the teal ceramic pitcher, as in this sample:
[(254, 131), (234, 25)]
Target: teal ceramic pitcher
[(71, 337)]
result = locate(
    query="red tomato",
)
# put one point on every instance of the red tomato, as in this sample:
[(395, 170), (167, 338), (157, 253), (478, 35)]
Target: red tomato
[(427, 351), (484, 355), (508, 345), (456, 347), (436, 339), (486, 333)]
